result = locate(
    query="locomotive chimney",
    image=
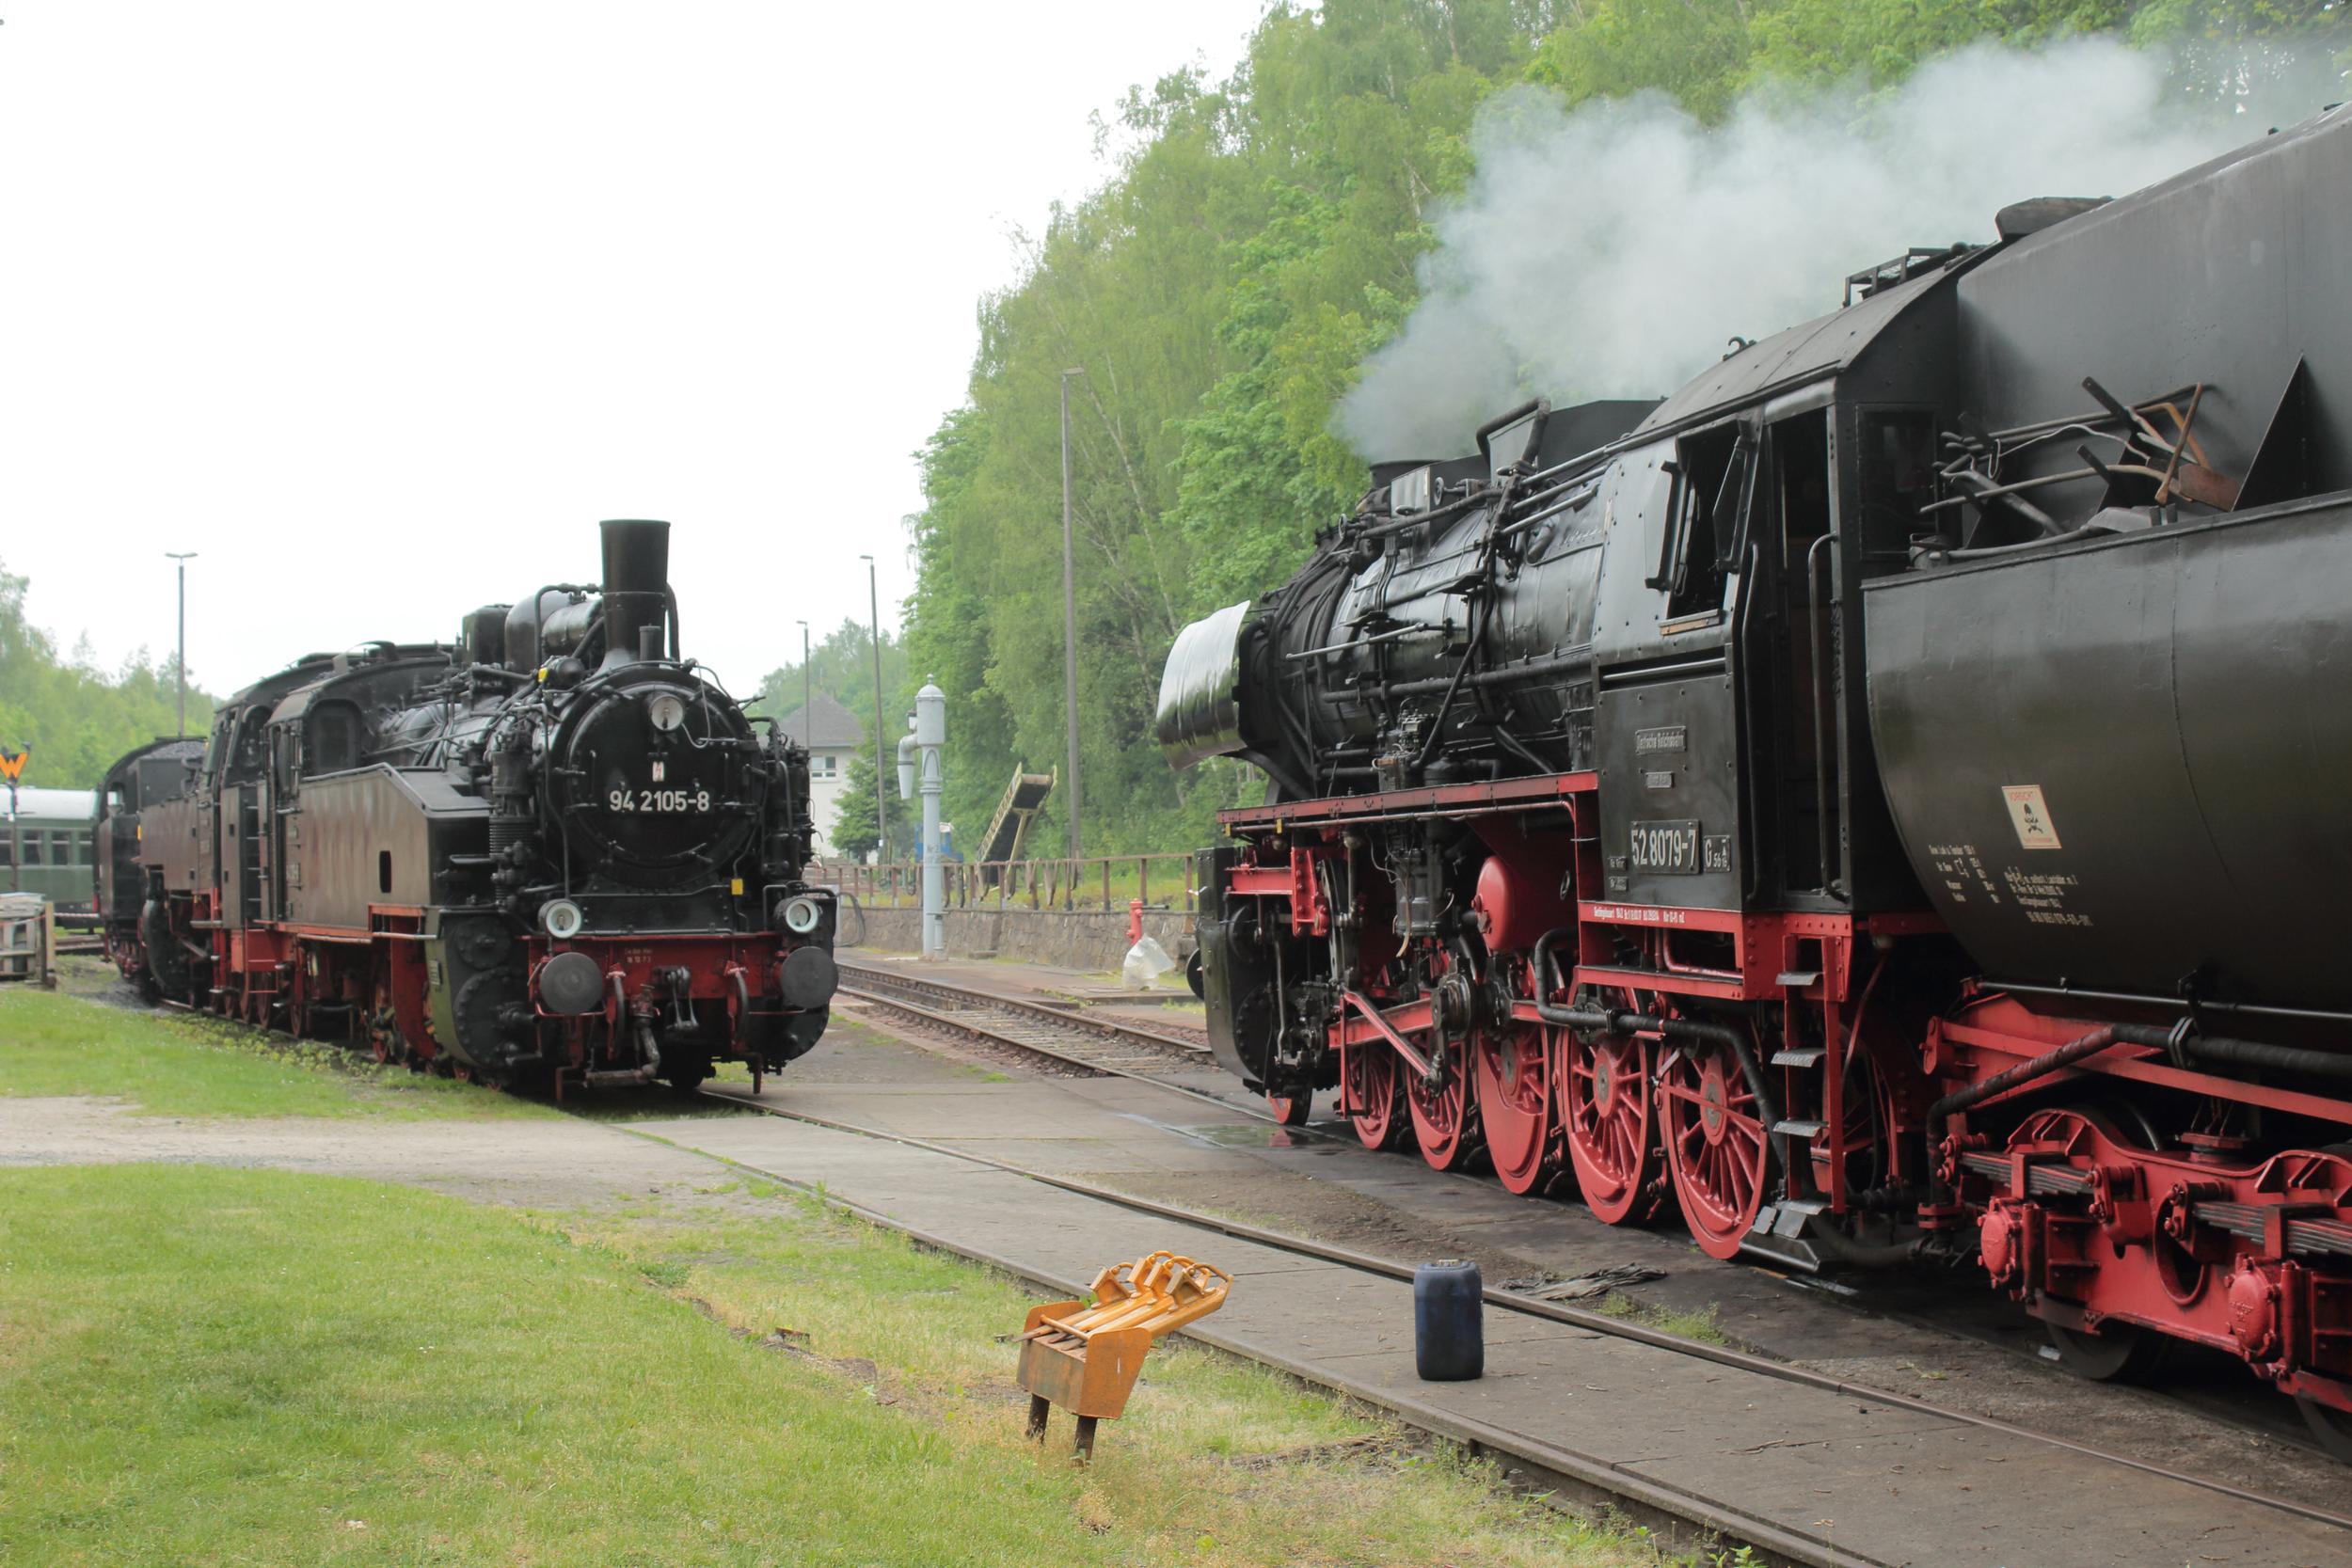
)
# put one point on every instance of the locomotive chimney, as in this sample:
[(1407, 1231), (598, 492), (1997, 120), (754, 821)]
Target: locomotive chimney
[(636, 586)]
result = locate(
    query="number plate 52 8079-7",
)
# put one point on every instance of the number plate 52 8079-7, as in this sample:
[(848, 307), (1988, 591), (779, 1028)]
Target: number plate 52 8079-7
[(1666, 848)]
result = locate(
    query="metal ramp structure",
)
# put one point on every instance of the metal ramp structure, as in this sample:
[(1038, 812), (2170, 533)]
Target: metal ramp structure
[(1023, 798)]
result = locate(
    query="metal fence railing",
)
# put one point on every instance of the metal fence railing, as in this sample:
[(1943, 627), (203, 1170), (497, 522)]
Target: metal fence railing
[(1161, 881)]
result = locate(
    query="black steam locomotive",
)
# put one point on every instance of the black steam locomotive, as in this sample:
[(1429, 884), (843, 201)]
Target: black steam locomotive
[(1877, 801), (554, 851)]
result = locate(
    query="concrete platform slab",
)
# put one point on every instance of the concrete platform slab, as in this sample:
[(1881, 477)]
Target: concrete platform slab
[(1818, 1476)]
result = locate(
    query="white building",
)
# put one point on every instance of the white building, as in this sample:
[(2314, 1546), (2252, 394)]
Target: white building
[(837, 738)]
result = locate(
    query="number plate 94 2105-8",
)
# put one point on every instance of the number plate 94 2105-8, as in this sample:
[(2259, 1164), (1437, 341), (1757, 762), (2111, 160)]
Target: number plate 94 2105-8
[(1665, 849), (657, 800)]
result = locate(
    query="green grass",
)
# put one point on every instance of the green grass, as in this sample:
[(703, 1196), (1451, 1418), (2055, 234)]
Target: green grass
[(1216, 1461), (203, 1366), (1699, 1325), (216, 1367), (191, 1064)]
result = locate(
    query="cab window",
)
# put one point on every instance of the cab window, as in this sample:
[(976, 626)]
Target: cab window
[(1704, 534)]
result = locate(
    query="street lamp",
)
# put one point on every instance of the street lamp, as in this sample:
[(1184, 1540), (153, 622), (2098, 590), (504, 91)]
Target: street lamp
[(1070, 616), (183, 557), (809, 694), (881, 801)]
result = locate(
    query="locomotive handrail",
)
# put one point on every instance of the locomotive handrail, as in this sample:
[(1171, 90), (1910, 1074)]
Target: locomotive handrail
[(1820, 708), (1743, 670)]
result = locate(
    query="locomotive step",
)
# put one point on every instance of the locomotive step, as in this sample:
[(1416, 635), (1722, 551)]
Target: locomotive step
[(1800, 1055), (1790, 1127)]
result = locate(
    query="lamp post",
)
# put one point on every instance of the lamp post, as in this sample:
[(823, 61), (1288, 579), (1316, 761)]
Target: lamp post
[(809, 694), (881, 801), (183, 557), (1070, 619)]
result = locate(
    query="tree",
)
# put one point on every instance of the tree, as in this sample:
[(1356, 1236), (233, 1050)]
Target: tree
[(853, 829), (1252, 241), (841, 666), (75, 719)]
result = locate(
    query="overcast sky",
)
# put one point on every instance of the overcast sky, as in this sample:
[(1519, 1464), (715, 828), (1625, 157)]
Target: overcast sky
[(379, 307)]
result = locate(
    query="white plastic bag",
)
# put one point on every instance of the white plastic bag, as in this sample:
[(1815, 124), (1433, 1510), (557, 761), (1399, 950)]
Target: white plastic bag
[(1147, 961)]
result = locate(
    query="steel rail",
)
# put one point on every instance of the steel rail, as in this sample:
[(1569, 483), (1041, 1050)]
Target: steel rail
[(979, 1030), (1071, 1017), (1530, 1306), (2287, 1431)]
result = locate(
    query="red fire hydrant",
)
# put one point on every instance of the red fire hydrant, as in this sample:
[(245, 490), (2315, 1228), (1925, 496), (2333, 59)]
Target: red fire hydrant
[(1135, 920)]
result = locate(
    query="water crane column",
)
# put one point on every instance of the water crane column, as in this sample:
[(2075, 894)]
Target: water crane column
[(921, 752)]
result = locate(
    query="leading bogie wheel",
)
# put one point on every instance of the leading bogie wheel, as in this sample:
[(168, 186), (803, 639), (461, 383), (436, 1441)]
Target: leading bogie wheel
[(1292, 1110), (1515, 1104), (1607, 1121), (1717, 1145), (2330, 1427), (1445, 1113), (2118, 1353)]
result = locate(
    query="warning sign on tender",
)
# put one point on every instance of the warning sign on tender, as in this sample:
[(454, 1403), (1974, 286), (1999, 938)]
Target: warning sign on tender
[(2030, 815)]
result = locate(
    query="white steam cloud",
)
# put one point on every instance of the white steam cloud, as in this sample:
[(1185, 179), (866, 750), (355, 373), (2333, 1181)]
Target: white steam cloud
[(1613, 250)]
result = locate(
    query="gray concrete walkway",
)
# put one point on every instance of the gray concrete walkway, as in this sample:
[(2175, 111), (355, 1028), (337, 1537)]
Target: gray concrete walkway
[(1822, 1476)]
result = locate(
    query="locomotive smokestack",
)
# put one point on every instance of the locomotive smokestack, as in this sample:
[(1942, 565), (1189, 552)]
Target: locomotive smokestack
[(636, 586)]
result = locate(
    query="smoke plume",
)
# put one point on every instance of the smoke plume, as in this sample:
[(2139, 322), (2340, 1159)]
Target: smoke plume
[(1612, 250)]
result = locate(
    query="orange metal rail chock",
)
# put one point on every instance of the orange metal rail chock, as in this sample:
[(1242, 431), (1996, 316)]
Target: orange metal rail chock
[(1087, 1358)]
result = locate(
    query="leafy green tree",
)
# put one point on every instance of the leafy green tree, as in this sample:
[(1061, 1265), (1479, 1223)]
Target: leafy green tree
[(1253, 241), (75, 719), (841, 666), (853, 829)]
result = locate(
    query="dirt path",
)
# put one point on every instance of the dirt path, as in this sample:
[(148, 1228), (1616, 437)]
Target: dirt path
[(534, 1163)]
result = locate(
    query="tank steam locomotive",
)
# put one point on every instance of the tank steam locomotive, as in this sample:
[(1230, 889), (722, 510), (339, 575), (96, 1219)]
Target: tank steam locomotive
[(1877, 802), (554, 851)]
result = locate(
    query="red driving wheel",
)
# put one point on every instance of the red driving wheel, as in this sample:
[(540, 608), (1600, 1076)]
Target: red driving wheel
[(1368, 1078), (1605, 1116), (1291, 1110), (1715, 1146), (1445, 1118), (1515, 1103)]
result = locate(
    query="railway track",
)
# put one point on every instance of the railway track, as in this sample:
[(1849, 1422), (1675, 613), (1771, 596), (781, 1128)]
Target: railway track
[(1069, 1041), (1062, 1040), (1698, 1510)]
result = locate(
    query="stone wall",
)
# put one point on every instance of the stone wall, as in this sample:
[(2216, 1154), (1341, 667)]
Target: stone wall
[(1090, 939)]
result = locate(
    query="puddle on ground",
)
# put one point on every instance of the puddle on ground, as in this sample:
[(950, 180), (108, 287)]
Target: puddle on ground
[(1246, 1134)]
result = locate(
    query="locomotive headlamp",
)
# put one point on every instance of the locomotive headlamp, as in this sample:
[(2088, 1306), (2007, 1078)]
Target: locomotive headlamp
[(667, 710), (563, 919), (803, 915)]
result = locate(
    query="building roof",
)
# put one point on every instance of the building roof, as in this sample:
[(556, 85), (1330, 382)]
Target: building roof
[(32, 801), (835, 725)]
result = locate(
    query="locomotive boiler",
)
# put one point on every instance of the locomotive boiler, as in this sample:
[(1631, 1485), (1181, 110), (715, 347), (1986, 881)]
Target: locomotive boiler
[(555, 850), (1875, 802)]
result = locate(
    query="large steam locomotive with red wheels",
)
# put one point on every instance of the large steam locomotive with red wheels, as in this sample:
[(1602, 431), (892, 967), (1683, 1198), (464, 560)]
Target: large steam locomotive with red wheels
[(1877, 802), (553, 851)]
